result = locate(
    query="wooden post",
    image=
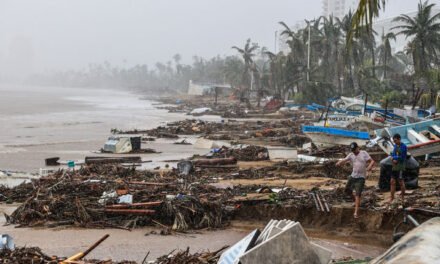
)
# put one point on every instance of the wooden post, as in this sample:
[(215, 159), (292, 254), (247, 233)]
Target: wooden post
[(365, 105), (216, 95), (386, 110)]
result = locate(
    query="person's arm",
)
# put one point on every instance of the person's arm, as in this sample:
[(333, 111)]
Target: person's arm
[(394, 156), (343, 161), (404, 153), (370, 166), (394, 153)]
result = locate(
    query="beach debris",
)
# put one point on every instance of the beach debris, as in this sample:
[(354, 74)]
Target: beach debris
[(233, 253), (34, 255), (200, 111), (52, 161), (185, 257), (110, 160), (87, 198), (6, 242), (242, 153), (286, 240), (81, 255), (214, 161)]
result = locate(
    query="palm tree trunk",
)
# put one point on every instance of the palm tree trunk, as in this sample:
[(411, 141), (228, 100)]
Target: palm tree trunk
[(373, 58)]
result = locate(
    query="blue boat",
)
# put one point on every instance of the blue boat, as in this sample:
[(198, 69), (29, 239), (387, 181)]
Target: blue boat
[(326, 137)]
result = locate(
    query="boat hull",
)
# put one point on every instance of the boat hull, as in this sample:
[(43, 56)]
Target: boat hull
[(414, 150), (323, 141)]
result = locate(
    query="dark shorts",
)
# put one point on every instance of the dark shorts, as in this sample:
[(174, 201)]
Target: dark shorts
[(355, 184), (397, 175)]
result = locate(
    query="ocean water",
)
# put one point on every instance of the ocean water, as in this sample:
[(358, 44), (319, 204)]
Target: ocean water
[(71, 123)]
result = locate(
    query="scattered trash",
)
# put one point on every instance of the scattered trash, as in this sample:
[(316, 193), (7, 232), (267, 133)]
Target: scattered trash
[(233, 253), (200, 111), (7, 242), (52, 161)]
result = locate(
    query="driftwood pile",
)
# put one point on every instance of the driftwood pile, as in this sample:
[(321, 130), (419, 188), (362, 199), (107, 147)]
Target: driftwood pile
[(89, 198), (231, 130), (185, 257), (247, 153), (26, 255), (34, 255)]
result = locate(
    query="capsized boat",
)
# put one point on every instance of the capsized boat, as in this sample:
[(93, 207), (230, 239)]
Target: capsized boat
[(421, 138), (327, 137)]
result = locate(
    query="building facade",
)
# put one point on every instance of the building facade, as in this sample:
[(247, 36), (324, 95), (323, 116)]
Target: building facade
[(338, 8), (384, 26)]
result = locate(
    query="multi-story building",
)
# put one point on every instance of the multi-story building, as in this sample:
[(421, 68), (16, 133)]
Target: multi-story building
[(338, 8), (384, 26)]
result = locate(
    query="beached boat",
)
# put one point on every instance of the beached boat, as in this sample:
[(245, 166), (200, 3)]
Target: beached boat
[(421, 138), (359, 123), (353, 104), (326, 137)]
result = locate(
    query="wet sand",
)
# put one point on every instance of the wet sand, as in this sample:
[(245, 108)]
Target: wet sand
[(121, 245), (134, 245)]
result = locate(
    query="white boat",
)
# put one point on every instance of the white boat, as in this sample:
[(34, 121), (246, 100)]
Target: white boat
[(359, 123), (421, 138), (352, 104)]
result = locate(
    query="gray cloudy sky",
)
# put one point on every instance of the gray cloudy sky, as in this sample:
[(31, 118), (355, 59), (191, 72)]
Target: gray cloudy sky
[(64, 34)]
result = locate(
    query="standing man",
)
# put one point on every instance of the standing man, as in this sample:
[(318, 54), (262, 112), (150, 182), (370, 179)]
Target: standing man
[(356, 182), (399, 156)]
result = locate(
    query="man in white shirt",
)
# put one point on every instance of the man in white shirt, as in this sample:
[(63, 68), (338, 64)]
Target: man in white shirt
[(361, 162)]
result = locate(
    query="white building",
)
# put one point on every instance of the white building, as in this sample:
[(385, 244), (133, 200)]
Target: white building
[(338, 8), (386, 25), (207, 89)]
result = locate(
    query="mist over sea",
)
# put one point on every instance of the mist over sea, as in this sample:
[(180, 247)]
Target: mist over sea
[(40, 122)]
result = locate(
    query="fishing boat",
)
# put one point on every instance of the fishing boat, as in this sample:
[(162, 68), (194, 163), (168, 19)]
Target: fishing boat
[(353, 104), (327, 137), (359, 123), (421, 138)]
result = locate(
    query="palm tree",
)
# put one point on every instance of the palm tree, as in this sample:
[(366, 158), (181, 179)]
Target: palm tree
[(247, 53), (294, 65), (384, 51), (331, 42), (296, 43), (347, 51), (366, 11), (424, 28), (232, 70)]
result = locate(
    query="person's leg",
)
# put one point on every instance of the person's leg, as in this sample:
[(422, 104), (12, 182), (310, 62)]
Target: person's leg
[(359, 187), (357, 203), (349, 187), (392, 187), (402, 187)]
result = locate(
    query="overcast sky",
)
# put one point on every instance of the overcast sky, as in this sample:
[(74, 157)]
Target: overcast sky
[(70, 34)]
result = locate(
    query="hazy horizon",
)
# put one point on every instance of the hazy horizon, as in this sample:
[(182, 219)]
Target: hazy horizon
[(45, 35)]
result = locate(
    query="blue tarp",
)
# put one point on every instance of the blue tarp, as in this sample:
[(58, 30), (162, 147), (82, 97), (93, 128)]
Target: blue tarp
[(336, 132)]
